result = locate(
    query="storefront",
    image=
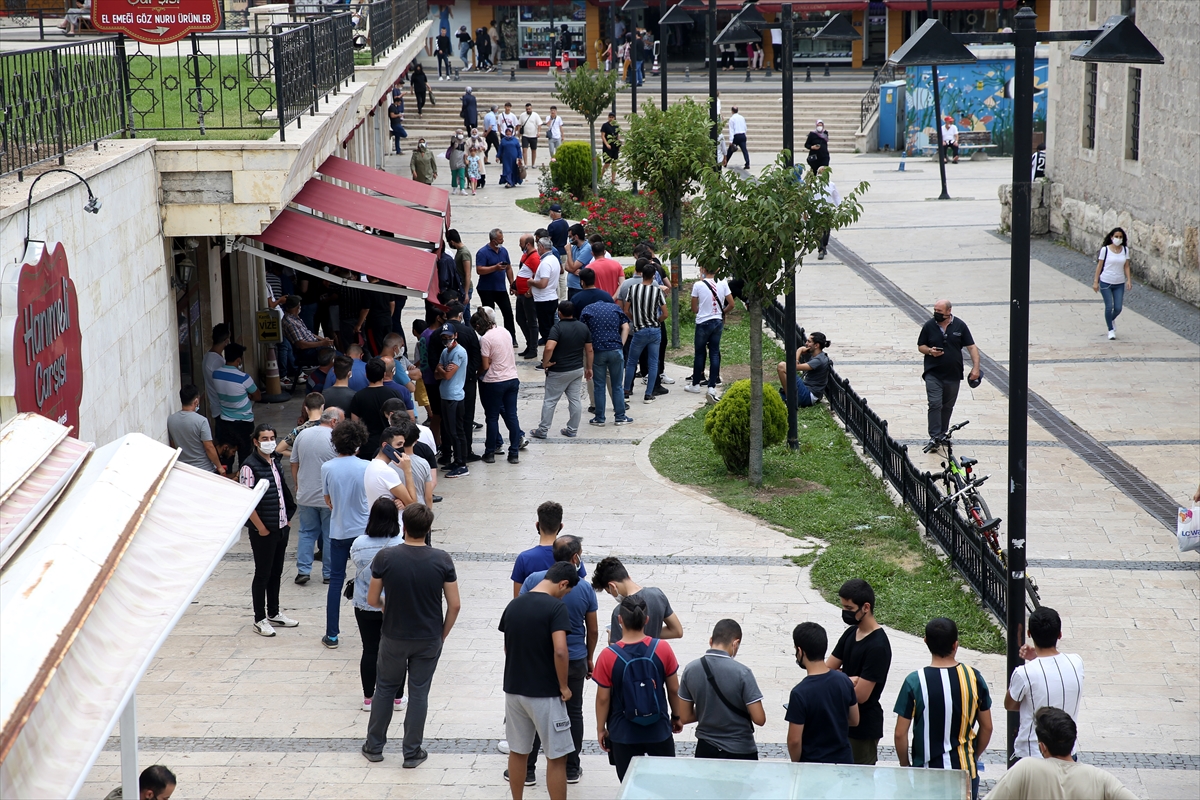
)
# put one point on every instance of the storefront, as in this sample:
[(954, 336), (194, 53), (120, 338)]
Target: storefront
[(528, 31)]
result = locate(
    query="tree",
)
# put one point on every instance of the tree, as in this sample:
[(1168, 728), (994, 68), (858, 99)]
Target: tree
[(589, 93), (759, 230), (668, 152)]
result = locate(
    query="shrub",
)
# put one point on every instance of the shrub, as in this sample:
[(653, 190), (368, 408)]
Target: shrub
[(571, 168), (623, 219), (728, 424)]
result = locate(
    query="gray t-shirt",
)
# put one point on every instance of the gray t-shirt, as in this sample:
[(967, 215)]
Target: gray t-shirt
[(817, 377), (719, 725), (657, 606), (421, 473), (312, 448), (189, 431)]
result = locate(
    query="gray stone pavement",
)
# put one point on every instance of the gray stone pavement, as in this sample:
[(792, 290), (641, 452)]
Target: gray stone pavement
[(240, 716)]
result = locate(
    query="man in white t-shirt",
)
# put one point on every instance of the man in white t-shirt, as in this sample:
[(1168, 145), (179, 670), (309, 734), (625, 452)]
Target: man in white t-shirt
[(544, 286), (554, 131), (530, 126), (737, 137), (777, 48), (949, 138), (711, 301), (1048, 678), (381, 480)]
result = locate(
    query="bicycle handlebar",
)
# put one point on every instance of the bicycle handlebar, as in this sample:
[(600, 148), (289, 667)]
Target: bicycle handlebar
[(974, 483), (945, 437)]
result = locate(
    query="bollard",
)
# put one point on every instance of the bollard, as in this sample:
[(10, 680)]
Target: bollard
[(768, 72), (512, 74), (687, 73), (808, 74), (457, 77), (903, 157), (826, 69), (747, 76)]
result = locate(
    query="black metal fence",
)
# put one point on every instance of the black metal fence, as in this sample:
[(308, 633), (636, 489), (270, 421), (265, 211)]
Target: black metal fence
[(389, 21), (968, 552)]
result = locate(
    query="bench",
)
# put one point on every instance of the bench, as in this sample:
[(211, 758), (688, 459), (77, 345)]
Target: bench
[(978, 141)]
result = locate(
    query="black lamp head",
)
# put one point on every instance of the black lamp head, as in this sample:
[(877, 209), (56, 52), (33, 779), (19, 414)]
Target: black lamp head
[(676, 15), (1120, 42), (693, 4), (931, 45), (751, 17), (634, 5), (737, 33), (839, 27)]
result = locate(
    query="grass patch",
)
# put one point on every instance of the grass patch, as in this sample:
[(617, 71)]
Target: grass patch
[(735, 342), (826, 492), (530, 204)]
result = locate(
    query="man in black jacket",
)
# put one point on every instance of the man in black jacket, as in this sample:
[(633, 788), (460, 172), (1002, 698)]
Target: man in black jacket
[(443, 54)]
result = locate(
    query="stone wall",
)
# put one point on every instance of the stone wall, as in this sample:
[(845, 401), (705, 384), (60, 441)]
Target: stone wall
[(130, 349), (1155, 198)]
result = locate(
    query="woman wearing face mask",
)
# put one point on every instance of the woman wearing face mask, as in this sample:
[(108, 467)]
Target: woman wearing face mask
[(456, 154), (268, 530), (817, 145), (383, 530), (1113, 277), (422, 164), (510, 159)]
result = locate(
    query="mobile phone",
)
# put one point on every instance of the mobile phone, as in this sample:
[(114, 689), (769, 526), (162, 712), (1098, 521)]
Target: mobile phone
[(391, 453)]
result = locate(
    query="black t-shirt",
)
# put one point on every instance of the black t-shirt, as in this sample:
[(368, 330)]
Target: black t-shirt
[(610, 134), (821, 703), (949, 365), (528, 624), (380, 305), (586, 297), (412, 587), (340, 396), (311, 291), (469, 339), (570, 336), (870, 659), (367, 405)]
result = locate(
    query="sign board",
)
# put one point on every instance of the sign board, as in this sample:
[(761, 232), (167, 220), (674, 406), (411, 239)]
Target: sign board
[(45, 373), (156, 21), (268, 326)]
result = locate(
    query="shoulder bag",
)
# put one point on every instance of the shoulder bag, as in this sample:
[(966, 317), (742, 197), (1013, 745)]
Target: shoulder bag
[(739, 710)]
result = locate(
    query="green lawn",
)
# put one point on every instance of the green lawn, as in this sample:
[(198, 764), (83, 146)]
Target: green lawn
[(166, 100), (826, 492)]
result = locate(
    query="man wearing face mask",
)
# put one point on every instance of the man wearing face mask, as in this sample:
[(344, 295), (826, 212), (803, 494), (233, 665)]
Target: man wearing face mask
[(822, 707), (864, 654), (942, 341), (581, 645), (422, 164), (722, 695), (661, 620)]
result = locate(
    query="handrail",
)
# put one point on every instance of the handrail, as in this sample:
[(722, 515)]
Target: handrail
[(870, 100)]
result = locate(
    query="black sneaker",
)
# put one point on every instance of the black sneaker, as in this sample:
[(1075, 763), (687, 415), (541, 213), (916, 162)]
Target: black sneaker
[(530, 778), (591, 409), (302, 579), (489, 458), (374, 758), (473, 457), (573, 775), (661, 390), (513, 458), (476, 426), (415, 761), (318, 556)]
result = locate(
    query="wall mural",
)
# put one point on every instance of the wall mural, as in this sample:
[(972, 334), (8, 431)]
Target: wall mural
[(979, 98)]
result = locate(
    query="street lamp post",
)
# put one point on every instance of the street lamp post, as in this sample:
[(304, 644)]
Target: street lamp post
[(1119, 41), (711, 25), (789, 308), (937, 111)]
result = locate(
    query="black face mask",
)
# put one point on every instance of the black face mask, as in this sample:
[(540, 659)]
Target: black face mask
[(848, 616), (800, 663), (939, 317)]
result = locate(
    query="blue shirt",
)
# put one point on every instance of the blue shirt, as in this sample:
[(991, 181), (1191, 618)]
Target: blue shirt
[(358, 376), (342, 480), (583, 255), (580, 602), (453, 388), (604, 320), (493, 281), (405, 394), (585, 297), (489, 121), (558, 230), (535, 559)]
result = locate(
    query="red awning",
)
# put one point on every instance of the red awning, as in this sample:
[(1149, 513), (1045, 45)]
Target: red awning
[(949, 5), (377, 256), (423, 196), (798, 6), (405, 222)]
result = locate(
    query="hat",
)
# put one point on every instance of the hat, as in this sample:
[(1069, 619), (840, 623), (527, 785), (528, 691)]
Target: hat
[(948, 118), (448, 330), (974, 382), (556, 208)]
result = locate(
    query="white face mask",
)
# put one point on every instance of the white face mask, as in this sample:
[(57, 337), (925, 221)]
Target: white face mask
[(1117, 240), (267, 447)]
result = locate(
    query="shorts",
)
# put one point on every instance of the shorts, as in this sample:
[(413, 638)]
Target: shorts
[(530, 142), (545, 716), (611, 154), (420, 396), (865, 751)]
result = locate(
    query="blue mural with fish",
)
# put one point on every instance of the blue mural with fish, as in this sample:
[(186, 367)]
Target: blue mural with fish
[(979, 98)]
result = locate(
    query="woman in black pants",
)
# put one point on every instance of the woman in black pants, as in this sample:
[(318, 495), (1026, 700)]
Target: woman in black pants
[(383, 530), (817, 145), (268, 530)]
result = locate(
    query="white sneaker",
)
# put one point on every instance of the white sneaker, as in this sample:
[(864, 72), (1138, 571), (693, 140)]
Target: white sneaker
[(1112, 333), (712, 397), (666, 380), (282, 621), (263, 628), (366, 706), (694, 388), (502, 746), (400, 702)]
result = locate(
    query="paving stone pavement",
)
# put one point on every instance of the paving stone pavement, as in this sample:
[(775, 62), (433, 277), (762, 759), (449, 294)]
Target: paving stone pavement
[(240, 716)]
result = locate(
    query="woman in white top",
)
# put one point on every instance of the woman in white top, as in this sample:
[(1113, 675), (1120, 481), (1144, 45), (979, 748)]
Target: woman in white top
[(1113, 277), (383, 530)]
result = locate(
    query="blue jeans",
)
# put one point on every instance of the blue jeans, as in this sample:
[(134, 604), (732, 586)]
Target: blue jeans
[(314, 522), (1114, 296), (500, 400), (646, 339), (336, 556), (285, 358), (638, 72), (398, 133), (804, 398), (610, 365), (708, 338), (464, 50)]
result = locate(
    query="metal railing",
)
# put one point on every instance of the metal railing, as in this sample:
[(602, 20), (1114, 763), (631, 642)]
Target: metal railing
[(870, 100), (58, 99), (968, 552), (389, 21)]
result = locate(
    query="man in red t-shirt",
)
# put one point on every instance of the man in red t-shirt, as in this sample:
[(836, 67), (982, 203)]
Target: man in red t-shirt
[(526, 313), (609, 273)]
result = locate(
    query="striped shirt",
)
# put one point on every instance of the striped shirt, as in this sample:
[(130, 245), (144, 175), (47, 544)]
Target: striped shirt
[(1055, 681), (944, 703), (645, 302), (234, 388)]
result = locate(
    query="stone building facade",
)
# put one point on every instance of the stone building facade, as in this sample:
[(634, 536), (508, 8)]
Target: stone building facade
[(1123, 143)]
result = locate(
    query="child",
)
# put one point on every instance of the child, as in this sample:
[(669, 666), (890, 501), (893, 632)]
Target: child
[(473, 168)]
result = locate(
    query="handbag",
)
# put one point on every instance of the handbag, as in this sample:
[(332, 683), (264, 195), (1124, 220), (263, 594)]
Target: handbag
[(348, 591), (1188, 529), (522, 171)]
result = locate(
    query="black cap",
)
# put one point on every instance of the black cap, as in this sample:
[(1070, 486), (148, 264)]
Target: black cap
[(974, 382)]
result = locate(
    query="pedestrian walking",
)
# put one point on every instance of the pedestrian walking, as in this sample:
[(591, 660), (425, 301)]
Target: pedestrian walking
[(498, 389), (812, 371), (415, 578), (646, 308), (823, 707), (817, 145), (343, 485), (611, 576), (469, 113), (1113, 276), (530, 126), (474, 167), (268, 529), (526, 309), (737, 137), (536, 680), (422, 164), (864, 654), (396, 119), (711, 302), (483, 50), (554, 132), (456, 154), (510, 159), (465, 45), (420, 87), (610, 144), (943, 703), (491, 134), (723, 697), (567, 360), (313, 447), (1047, 678), (444, 49), (610, 330), (544, 284), (637, 702), (382, 530), (832, 196), (941, 341)]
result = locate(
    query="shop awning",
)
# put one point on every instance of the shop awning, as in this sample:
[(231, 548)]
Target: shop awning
[(423, 196), (405, 222), (949, 5), (799, 7)]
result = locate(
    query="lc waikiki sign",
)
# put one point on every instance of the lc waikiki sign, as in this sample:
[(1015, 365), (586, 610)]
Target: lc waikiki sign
[(156, 21), (43, 368)]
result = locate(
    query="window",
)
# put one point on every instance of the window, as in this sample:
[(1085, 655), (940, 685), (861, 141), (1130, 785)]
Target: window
[(1090, 81), (1133, 115), (1092, 11)]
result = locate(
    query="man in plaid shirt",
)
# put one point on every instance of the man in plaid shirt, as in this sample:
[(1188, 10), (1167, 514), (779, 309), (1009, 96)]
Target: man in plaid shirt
[(304, 342)]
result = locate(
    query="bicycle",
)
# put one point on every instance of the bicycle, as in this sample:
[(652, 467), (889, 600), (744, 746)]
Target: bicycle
[(961, 486)]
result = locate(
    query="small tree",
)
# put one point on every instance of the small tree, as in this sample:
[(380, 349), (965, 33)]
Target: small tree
[(589, 93), (759, 230), (668, 152)]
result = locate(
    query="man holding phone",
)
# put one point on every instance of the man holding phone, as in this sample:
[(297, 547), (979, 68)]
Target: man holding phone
[(495, 272), (942, 341)]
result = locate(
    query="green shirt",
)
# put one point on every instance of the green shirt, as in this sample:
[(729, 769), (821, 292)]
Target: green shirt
[(943, 704), (462, 260), (423, 166)]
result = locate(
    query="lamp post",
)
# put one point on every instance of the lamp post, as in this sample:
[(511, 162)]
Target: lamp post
[(1119, 41), (937, 112), (711, 35)]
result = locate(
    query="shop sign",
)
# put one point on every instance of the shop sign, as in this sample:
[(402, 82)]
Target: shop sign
[(268, 326), (46, 363), (156, 21)]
